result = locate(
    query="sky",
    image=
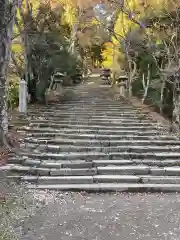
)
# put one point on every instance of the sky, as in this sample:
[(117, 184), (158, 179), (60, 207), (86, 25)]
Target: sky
[(101, 13)]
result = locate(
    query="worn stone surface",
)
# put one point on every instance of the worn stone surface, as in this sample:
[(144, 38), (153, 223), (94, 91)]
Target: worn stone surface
[(116, 179), (119, 170), (73, 172), (110, 187), (160, 179)]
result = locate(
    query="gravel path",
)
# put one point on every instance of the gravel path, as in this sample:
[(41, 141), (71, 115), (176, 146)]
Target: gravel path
[(83, 216)]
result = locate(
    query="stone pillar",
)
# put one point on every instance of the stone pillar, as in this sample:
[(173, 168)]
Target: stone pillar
[(23, 96)]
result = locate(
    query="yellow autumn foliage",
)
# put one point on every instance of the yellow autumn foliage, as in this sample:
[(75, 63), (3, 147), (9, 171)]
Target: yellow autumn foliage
[(17, 48), (124, 24)]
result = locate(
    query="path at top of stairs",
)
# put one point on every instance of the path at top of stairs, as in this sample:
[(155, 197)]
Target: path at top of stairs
[(96, 143)]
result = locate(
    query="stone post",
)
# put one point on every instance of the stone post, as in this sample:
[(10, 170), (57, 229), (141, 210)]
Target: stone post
[(23, 96)]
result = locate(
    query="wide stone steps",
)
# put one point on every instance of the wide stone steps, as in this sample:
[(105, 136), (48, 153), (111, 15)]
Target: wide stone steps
[(89, 156), (136, 170), (98, 109), (24, 161), (91, 129), (104, 143), (116, 123), (46, 124), (94, 115), (86, 139), (131, 135), (54, 180), (95, 143), (98, 132), (133, 151), (100, 112), (71, 148), (86, 118), (110, 187)]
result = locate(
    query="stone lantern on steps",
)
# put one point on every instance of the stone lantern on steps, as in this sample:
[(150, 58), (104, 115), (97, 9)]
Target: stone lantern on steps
[(122, 83), (55, 89), (58, 79)]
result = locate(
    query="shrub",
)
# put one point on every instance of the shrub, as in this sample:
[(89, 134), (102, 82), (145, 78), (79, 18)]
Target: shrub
[(13, 92)]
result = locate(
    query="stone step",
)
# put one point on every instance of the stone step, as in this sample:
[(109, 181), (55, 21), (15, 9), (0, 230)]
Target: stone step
[(101, 122), (132, 179), (95, 126), (40, 171), (93, 103), (147, 162), (101, 99), (160, 179), (139, 170), (102, 143), (104, 156), (124, 170), (77, 130), (86, 117), (84, 111), (81, 120), (25, 161), (82, 179), (127, 134), (54, 179), (110, 187), (107, 170), (101, 103), (90, 108), (70, 148), (46, 138)]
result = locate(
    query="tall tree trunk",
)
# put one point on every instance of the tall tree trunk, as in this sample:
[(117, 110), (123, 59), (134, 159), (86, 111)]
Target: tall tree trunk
[(146, 84), (7, 13)]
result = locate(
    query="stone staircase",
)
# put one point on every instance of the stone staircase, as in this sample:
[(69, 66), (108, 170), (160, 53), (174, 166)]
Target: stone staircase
[(95, 143)]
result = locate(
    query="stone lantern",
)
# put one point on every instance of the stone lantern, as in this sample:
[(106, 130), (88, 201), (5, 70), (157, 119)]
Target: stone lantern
[(122, 83)]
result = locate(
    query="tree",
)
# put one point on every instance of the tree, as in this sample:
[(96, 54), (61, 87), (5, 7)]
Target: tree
[(48, 43), (147, 34), (7, 15)]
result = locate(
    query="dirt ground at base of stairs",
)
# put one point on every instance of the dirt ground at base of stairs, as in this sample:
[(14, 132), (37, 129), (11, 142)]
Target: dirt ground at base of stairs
[(116, 216)]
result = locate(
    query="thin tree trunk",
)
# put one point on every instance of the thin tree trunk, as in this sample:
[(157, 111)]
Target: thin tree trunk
[(7, 14), (24, 36), (162, 94), (146, 85), (113, 74)]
